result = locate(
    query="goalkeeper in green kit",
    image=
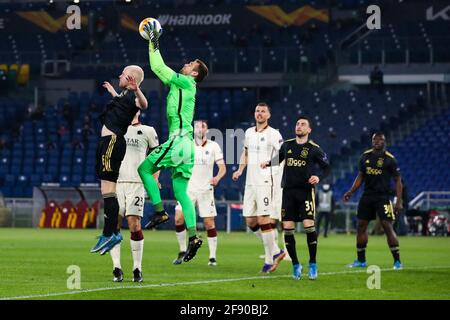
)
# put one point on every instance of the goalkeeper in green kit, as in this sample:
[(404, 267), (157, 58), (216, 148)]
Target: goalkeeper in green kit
[(176, 154)]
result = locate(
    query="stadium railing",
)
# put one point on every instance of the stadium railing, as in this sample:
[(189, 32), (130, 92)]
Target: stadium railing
[(28, 212), (20, 212), (427, 200)]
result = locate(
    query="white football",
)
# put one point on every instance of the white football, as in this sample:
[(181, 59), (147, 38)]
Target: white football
[(144, 22)]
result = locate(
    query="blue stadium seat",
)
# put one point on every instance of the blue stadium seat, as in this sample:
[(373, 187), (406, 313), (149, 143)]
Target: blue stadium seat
[(18, 191), (10, 179), (76, 179), (15, 170), (8, 191), (90, 178), (35, 179), (64, 180)]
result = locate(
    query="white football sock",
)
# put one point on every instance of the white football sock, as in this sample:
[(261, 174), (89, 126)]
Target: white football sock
[(115, 256), (258, 234), (268, 242), (181, 237), (212, 244), (276, 248), (137, 249)]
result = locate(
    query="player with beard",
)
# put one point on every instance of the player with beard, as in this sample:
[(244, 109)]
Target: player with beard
[(301, 155)]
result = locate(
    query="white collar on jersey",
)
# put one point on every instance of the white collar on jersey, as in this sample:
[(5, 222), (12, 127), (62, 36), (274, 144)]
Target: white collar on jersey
[(256, 128), (203, 144)]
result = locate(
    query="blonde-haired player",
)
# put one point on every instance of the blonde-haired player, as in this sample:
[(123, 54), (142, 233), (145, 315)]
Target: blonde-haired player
[(201, 190)]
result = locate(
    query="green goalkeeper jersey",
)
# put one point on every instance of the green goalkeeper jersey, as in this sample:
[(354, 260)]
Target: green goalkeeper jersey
[(181, 97)]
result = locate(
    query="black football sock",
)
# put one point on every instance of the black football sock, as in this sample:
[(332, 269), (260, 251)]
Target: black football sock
[(311, 238), (395, 253), (289, 239), (361, 250), (111, 211)]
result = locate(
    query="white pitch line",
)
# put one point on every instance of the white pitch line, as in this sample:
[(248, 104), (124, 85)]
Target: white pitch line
[(56, 294)]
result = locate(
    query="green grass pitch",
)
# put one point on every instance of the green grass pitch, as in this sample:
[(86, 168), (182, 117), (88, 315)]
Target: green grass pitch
[(34, 264)]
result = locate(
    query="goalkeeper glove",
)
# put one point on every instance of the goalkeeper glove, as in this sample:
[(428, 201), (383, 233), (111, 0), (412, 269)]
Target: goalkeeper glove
[(153, 34)]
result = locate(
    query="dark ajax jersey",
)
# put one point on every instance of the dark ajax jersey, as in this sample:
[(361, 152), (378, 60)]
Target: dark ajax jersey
[(119, 112), (301, 161), (378, 170)]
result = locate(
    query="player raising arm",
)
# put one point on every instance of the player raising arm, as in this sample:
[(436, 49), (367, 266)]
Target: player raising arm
[(116, 118), (177, 153)]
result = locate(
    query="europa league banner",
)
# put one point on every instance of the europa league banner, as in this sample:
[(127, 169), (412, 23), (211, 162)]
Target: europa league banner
[(245, 17), (270, 16)]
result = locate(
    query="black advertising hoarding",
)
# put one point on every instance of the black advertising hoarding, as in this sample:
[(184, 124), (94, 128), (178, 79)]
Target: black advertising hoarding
[(244, 17), (421, 11)]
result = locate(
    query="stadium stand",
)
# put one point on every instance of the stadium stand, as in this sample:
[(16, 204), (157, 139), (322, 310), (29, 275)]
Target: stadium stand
[(423, 157), (48, 151), (55, 143), (254, 49)]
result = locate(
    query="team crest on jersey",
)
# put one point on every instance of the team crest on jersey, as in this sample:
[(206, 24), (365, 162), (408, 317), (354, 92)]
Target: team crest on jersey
[(304, 153), (206, 152), (139, 132), (380, 162), (262, 139)]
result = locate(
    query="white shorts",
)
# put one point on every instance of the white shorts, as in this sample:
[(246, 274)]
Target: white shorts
[(259, 201), (204, 201), (131, 197), (277, 200)]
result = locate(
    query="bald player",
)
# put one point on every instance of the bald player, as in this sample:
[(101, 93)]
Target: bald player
[(111, 148)]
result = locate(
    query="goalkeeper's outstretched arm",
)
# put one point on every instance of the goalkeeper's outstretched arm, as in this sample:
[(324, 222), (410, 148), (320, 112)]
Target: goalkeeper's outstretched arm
[(157, 64)]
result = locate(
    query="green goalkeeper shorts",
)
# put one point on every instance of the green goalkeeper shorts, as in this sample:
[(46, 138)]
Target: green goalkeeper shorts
[(176, 154)]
